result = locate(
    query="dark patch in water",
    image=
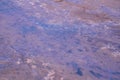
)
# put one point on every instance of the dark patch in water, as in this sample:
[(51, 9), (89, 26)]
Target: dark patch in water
[(76, 67), (79, 72), (97, 75), (113, 79), (80, 50), (116, 73), (69, 51)]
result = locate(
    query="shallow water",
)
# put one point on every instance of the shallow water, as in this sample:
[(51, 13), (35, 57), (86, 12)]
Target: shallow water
[(59, 40)]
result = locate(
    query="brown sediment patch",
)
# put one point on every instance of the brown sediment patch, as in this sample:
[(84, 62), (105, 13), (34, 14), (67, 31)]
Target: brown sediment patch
[(61, 11), (58, 0), (88, 12), (111, 3)]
